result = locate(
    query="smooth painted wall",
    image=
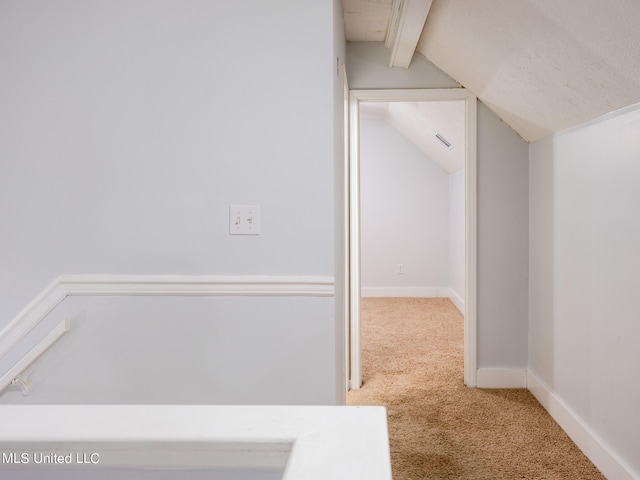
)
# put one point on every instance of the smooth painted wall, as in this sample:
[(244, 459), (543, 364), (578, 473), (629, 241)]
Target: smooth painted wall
[(368, 68), (503, 243), (127, 129), (502, 202), (340, 165), (404, 213), (584, 260), (185, 350)]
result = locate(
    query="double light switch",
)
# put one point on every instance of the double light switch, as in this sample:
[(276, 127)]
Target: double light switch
[(244, 220)]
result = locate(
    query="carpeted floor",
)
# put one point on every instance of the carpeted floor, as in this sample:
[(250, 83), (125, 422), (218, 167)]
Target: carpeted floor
[(412, 363)]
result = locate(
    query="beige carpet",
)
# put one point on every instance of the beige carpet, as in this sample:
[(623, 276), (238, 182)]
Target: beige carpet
[(439, 429)]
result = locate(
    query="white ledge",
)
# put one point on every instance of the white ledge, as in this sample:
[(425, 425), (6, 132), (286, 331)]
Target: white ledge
[(306, 442)]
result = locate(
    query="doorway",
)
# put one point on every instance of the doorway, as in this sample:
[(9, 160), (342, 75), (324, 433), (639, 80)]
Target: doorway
[(358, 97)]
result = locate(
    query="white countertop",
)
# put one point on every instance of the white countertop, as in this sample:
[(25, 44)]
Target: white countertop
[(308, 443)]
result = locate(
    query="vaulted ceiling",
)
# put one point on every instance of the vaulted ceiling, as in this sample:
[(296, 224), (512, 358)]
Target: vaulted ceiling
[(435, 128), (541, 65)]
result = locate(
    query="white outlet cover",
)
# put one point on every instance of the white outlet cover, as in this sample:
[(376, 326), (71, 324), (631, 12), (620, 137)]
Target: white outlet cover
[(244, 220)]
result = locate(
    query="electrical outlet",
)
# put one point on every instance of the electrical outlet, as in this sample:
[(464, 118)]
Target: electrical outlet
[(400, 269), (244, 220)]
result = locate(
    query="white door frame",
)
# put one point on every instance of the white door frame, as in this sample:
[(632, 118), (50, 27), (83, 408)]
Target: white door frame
[(353, 214)]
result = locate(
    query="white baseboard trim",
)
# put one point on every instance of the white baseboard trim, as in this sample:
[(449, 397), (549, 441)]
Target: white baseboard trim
[(501, 378), (457, 300), (414, 292), (590, 443), (409, 292), (192, 285)]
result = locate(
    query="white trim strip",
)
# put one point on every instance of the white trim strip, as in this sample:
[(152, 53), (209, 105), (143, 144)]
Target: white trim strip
[(409, 292), (353, 236), (501, 378), (415, 292), (41, 347), (189, 285), (198, 285), (457, 300), (28, 318), (587, 440), (471, 242)]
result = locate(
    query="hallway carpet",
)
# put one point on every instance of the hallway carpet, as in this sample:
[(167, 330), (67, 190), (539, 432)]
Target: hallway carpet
[(438, 428)]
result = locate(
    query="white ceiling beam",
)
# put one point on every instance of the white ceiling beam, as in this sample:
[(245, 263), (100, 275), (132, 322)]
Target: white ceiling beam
[(405, 27)]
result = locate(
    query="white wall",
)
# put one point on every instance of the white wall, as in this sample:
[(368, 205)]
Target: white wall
[(405, 216), (368, 67), (128, 128), (503, 252), (502, 182), (340, 121), (184, 350), (584, 264)]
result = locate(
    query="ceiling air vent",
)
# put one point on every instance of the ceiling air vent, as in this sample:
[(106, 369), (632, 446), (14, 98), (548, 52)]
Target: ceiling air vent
[(444, 141)]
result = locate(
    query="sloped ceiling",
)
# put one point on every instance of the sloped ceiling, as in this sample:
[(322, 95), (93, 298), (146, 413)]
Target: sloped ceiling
[(419, 122), (541, 65)]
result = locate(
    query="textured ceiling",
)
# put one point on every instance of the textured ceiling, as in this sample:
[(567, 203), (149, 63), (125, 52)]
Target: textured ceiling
[(541, 65), (366, 20)]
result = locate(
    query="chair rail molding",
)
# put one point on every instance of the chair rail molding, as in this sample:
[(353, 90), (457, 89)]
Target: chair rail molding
[(160, 285)]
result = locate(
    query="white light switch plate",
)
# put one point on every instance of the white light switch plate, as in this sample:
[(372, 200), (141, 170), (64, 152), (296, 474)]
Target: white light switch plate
[(244, 220)]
